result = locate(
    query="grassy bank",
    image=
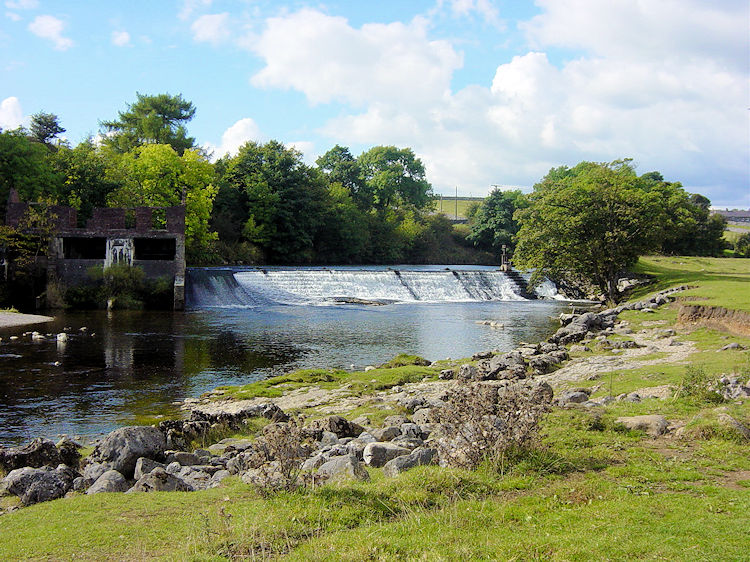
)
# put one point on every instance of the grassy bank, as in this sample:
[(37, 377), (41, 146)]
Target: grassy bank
[(592, 491)]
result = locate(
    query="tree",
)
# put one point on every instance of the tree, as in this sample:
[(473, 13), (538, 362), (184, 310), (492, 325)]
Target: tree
[(286, 200), (395, 177), (45, 127), (493, 224), (154, 175), (742, 246), (592, 220), (158, 119), (85, 178), (341, 167), (25, 167)]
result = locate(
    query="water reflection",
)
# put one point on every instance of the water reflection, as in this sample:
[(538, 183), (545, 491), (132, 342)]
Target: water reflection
[(126, 365)]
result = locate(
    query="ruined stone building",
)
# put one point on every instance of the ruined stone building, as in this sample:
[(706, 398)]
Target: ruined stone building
[(152, 238)]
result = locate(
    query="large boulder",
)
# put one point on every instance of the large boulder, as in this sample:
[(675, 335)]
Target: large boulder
[(159, 480), (34, 485), (110, 481), (377, 454), (69, 452), (124, 446), (39, 452), (418, 457), (143, 466), (345, 467)]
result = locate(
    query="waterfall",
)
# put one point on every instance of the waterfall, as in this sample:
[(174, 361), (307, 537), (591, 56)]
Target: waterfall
[(254, 287)]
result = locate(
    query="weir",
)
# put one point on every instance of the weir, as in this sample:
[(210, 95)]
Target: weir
[(227, 287)]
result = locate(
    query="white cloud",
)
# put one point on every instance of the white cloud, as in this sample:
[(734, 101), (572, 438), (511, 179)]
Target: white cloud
[(211, 28), (307, 148), (191, 6), (22, 4), (234, 137), (120, 38), (11, 115), (328, 60), (12, 16), (49, 27), (466, 8)]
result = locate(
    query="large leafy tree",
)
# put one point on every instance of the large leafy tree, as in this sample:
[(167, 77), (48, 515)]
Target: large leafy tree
[(493, 224), (25, 167), (341, 167), (286, 200), (156, 176), (394, 178), (157, 119), (593, 220)]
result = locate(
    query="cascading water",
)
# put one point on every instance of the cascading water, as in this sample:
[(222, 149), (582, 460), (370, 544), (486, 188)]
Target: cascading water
[(254, 287)]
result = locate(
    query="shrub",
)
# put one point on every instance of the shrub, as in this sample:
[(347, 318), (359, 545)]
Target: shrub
[(482, 422), (696, 385)]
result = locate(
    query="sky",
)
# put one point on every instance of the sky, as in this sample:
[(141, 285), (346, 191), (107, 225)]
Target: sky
[(486, 92)]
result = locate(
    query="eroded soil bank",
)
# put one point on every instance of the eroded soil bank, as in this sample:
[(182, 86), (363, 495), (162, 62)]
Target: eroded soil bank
[(719, 318)]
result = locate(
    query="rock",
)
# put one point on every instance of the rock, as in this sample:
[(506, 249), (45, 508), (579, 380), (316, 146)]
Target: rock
[(328, 438), (198, 477), (396, 421), (418, 457), (652, 424), (468, 372), (172, 468), (185, 459), (410, 443), (143, 466), (37, 453), (218, 477), (338, 425), (572, 397), (411, 430), (733, 345), (385, 433), (447, 374), (314, 462), (124, 446), (728, 421), (377, 454), (343, 468), (69, 452), (93, 470), (422, 416), (110, 481), (159, 480), (34, 485)]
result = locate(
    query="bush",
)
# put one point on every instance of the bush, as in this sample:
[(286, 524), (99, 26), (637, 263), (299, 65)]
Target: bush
[(485, 423), (696, 386)]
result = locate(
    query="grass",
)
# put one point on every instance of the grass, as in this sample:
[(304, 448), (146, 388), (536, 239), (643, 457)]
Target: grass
[(449, 206)]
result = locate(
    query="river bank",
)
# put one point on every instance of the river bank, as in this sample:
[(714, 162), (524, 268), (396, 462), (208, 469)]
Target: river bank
[(17, 319), (595, 488)]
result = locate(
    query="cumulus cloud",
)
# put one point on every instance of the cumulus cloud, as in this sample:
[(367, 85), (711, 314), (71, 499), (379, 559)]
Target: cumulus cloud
[(234, 137), (466, 8), (120, 38), (328, 60), (211, 28), (11, 115), (49, 27)]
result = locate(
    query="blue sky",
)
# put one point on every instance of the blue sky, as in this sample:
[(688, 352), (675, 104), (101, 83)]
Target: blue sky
[(484, 91)]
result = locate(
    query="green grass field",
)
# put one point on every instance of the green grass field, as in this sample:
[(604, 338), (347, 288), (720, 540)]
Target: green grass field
[(448, 206), (592, 491)]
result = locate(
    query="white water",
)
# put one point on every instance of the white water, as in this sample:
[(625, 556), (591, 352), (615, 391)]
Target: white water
[(319, 287)]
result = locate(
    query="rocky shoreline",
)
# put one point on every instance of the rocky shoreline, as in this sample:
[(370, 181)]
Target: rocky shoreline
[(159, 458)]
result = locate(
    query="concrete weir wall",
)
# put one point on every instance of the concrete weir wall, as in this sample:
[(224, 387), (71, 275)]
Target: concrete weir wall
[(152, 238)]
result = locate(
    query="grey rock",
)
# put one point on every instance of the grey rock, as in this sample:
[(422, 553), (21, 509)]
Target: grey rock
[(447, 374), (37, 453), (185, 459), (419, 457), (159, 480), (172, 468), (93, 470), (143, 466), (79, 484), (385, 433), (422, 416), (652, 424), (69, 452), (338, 425), (411, 430), (410, 443), (34, 485), (343, 468), (124, 446), (110, 481), (328, 438), (572, 397), (728, 421), (218, 477), (314, 462), (377, 454), (395, 421)]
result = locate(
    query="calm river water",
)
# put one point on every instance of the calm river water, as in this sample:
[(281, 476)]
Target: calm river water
[(125, 365)]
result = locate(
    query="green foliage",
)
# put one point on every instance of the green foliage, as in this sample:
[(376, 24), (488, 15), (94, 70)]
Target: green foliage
[(121, 284), (152, 119), (493, 225), (696, 385), (155, 175), (395, 177), (403, 359), (742, 246), (44, 127), (592, 220)]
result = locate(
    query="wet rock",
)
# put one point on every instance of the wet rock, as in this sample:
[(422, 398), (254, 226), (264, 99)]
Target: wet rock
[(110, 481), (418, 457), (122, 448)]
